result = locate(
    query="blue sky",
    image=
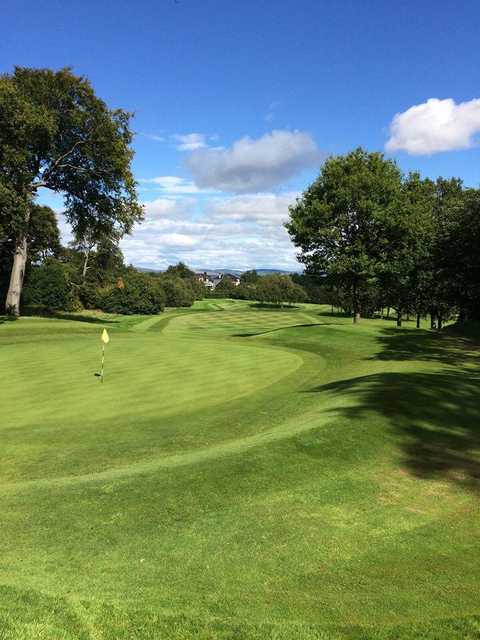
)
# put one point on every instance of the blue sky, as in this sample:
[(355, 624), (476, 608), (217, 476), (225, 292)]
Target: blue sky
[(237, 103)]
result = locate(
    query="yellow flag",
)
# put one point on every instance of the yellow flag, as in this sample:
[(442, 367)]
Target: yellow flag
[(105, 337)]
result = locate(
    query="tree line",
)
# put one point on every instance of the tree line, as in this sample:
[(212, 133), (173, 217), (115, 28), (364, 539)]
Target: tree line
[(273, 289), (92, 276), (373, 238)]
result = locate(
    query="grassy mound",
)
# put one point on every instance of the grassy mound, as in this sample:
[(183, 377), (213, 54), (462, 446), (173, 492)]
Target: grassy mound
[(242, 473)]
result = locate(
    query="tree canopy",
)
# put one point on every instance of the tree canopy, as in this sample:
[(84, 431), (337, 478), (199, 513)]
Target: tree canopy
[(376, 238), (339, 221), (55, 133)]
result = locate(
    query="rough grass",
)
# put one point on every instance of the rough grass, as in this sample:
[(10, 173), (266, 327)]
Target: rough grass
[(243, 473)]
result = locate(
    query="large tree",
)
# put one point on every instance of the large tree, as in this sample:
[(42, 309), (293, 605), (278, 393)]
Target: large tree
[(464, 257), (56, 134), (408, 238), (339, 221), (445, 294)]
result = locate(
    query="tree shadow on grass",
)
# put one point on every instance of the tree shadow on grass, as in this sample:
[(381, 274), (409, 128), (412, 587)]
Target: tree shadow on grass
[(436, 417), (9, 319), (270, 306), (287, 326), (418, 344), (335, 314), (81, 318)]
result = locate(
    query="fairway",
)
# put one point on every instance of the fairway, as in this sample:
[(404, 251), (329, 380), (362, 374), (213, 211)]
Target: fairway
[(243, 473)]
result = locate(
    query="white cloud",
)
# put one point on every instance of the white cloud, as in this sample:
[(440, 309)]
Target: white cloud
[(64, 228), (434, 126), (254, 165), (178, 240), (167, 207), (152, 136), (261, 208), (172, 185), (237, 232), (190, 141)]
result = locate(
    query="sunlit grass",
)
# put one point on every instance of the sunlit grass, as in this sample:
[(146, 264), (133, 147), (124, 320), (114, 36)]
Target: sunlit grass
[(242, 473)]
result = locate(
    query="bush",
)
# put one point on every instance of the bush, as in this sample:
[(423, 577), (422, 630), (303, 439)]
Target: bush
[(139, 293), (278, 289), (178, 292), (246, 291), (315, 287), (48, 286), (89, 296)]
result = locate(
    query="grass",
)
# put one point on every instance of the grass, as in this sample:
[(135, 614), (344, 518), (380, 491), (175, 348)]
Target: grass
[(243, 473)]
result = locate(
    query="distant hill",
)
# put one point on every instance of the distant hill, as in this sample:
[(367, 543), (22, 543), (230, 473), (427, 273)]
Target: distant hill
[(266, 272), (238, 272)]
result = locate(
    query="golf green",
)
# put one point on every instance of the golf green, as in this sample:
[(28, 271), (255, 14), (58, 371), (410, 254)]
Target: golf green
[(243, 472)]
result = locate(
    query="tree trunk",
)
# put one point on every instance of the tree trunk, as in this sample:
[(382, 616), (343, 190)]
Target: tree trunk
[(388, 313), (356, 306), (439, 321), (432, 320), (462, 316), (12, 304), (85, 263), (418, 321), (399, 318)]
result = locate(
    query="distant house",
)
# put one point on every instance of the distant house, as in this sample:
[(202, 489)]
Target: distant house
[(211, 279), (233, 278)]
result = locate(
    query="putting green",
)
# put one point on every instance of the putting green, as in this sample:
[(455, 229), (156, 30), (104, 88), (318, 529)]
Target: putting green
[(148, 405), (243, 473)]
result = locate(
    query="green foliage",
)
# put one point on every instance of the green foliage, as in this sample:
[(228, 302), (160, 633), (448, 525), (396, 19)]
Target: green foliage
[(55, 133), (137, 293), (43, 234), (43, 242), (279, 289), (193, 289), (48, 286), (89, 295), (382, 240), (178, 291), (316, 287), (180, 270), (246, 291), (249, 277), (339, 222), (463, 257), (407, 244)]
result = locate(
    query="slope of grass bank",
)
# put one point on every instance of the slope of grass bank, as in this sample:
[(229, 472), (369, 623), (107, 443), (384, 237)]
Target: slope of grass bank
[(242, 473)]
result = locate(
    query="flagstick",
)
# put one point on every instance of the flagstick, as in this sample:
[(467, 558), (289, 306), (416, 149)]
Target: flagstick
[(105, 340), (103, 360)]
